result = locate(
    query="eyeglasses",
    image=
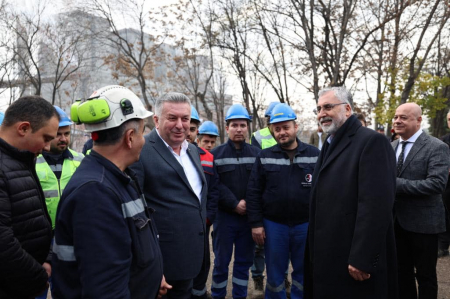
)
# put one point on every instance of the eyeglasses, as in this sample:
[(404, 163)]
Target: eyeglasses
[(326, 107)]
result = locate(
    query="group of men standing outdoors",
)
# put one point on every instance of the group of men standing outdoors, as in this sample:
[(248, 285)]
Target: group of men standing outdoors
[(355, 216)]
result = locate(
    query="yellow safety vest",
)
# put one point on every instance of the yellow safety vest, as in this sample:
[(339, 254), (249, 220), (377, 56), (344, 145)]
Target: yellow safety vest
[(264, 138), (53, 187)]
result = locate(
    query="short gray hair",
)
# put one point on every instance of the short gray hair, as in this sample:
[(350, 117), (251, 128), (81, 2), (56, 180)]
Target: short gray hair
[(340, 92), (172, 97)]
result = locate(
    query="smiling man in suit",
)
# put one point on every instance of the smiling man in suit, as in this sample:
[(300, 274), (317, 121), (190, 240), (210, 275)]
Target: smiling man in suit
[(171, 174), (351, 236), (422, 171)]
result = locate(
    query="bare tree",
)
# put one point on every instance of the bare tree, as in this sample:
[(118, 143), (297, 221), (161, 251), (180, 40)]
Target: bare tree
[(27, 28), (134, 46), (219, 94), (63, 52), (437, 17)]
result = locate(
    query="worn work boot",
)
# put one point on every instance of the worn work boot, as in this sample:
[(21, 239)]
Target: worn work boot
[(259, 283)]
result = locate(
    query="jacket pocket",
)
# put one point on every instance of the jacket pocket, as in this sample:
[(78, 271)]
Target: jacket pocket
[(226, 168), (144, 251)]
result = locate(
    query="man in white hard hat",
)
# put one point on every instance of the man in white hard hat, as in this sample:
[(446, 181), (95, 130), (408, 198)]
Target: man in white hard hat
[(106, 244)]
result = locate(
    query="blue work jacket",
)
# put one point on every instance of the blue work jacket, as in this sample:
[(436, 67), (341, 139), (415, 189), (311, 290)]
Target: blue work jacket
[(233, 167), (279, 189), (106, 243)]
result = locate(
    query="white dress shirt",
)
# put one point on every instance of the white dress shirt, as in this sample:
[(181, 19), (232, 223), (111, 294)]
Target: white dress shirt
[(188, 166), (408, 146)]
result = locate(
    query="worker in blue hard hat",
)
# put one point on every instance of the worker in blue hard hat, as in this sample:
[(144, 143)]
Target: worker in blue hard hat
[(2, 116), (263, 138), (278, 202), (207, 135), (207, 160), (193, 127), (234, 160), (56, 167)]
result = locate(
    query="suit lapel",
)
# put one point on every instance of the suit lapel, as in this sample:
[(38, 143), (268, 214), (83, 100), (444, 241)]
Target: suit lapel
[(334, 151), (165, 153), (341, 140), (417, 146)]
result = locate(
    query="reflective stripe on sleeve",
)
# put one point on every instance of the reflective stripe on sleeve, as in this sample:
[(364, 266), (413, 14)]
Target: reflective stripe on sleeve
[(132, 208), (64, 252)]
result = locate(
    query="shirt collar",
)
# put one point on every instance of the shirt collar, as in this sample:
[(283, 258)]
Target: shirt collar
[(413, 138), (184, 145)]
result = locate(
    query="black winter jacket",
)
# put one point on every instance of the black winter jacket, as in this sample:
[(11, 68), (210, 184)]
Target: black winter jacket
[(25, 226)]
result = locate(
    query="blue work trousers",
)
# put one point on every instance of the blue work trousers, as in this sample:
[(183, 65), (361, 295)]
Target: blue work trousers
[(229, 230), (258, 262), (284, 241)]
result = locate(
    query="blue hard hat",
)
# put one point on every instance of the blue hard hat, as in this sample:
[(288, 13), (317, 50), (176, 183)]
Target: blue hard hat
[(2, 116), (194, 114), (64, 119), (282, 112), (208, 128), (237, 111), (270, 108)]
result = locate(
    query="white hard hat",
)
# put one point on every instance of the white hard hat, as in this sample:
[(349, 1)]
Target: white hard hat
[(108, 108)]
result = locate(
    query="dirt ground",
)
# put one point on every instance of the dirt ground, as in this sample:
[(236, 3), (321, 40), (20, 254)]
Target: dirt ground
[(443, 273)]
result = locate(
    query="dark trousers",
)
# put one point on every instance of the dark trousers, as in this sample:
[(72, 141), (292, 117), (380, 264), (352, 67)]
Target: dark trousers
[(181, 289), (444, 238), (199, 284), (416, 252)]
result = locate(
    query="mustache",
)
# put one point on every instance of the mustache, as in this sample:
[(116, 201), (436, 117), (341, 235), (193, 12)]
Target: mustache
[(326, 119)]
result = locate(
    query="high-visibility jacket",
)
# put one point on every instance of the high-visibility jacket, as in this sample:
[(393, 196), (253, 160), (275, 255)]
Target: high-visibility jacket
[(263, 139), (50, 184)]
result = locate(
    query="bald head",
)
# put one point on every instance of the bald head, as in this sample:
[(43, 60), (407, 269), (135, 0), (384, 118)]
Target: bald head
[(413, 107), (407, 120)]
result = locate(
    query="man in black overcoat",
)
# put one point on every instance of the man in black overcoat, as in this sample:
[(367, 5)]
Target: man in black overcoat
[(351, 247)]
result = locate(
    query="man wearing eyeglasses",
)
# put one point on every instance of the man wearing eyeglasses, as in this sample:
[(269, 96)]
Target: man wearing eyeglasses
[(351, 246)]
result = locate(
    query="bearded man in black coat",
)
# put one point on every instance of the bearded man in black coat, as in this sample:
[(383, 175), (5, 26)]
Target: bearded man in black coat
[(351, 246)]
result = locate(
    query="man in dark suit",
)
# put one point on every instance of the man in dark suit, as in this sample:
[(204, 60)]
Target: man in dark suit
[(422, 171), (171, 174), (351, 237)]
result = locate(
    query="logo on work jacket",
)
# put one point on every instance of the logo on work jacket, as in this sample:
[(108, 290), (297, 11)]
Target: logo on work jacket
[(308, 178)]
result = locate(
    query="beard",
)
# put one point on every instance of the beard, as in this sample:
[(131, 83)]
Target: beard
[(336, 123), (56, 149), (287, 143)]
